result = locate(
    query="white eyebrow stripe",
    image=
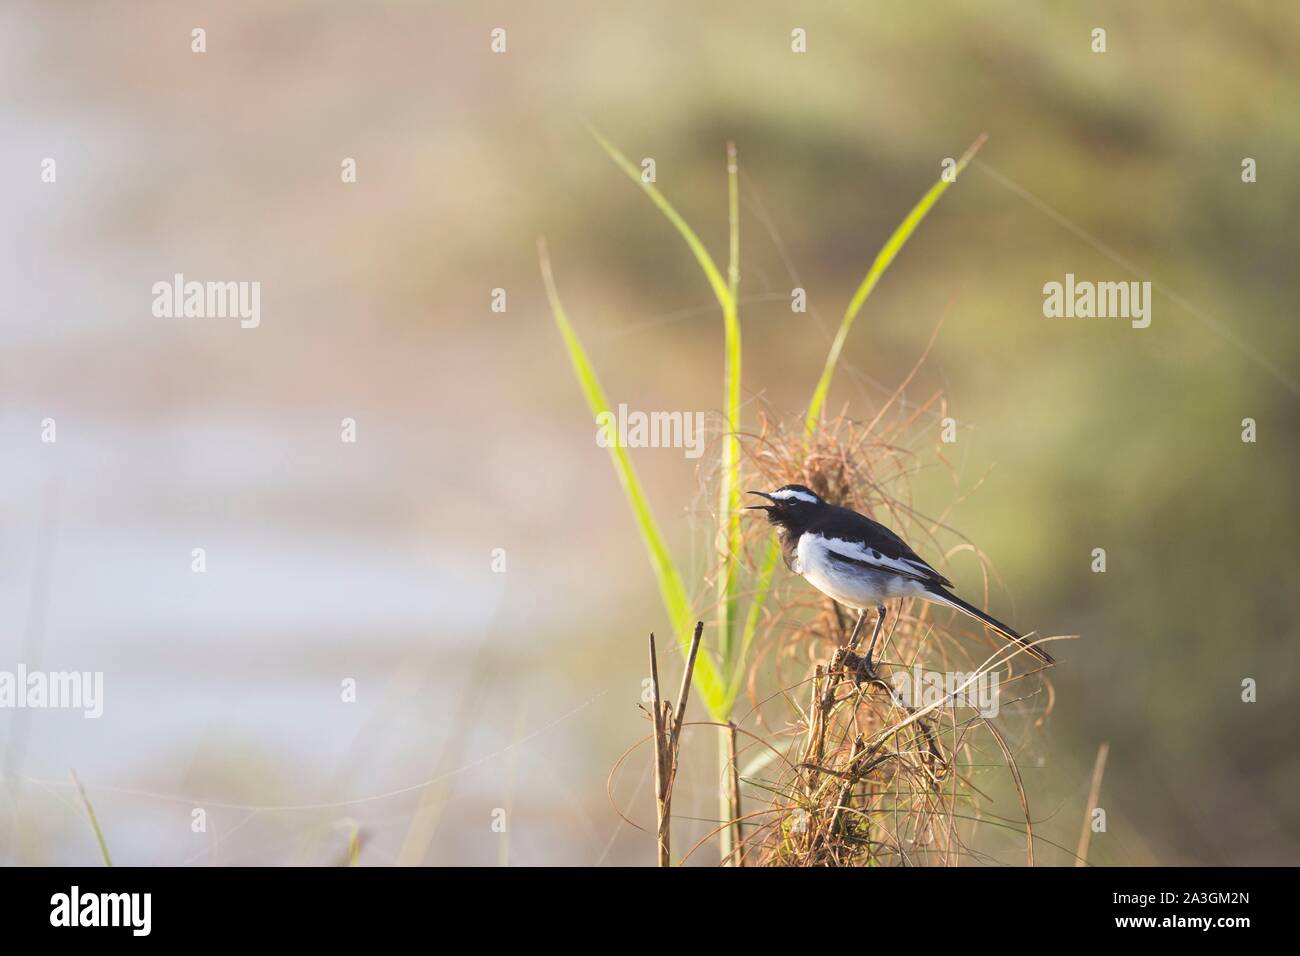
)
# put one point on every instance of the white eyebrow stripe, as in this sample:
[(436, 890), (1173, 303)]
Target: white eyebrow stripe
[(859, 552), (786, 493)]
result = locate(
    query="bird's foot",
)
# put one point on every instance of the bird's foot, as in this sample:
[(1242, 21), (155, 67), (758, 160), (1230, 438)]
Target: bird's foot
[(845, 663), (861, 667)]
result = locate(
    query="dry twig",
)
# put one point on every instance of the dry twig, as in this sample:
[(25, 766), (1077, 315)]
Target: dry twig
[(667, 742)]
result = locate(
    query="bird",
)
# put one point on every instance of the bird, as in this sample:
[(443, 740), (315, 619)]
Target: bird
[(860, 563)]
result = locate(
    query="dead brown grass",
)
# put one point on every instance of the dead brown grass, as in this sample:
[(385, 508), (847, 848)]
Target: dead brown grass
[(862, 779)]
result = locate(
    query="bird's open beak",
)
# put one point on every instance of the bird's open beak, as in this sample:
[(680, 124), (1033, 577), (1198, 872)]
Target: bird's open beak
[(761, 494)]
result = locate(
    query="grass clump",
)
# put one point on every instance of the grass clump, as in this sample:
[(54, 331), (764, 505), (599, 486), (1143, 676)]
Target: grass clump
[(852, 773), (862, 761)]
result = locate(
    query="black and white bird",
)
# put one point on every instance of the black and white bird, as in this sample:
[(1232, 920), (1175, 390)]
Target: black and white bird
[(859, 562)]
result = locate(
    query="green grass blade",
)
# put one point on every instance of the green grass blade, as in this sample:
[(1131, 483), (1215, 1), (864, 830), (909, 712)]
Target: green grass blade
[(726, 292), (94, 822), (884, 258), (729, 485), (702, 256), (351, 856), (752, 618), (729, 505), (706, 679)]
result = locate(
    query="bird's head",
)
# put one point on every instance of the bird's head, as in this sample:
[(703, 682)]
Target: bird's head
[(791, 506)]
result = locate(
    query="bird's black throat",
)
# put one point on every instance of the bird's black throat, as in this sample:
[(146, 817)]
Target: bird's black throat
[(789, 528)]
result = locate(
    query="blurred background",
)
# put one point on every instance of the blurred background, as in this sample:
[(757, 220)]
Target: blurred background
[(480, 691)]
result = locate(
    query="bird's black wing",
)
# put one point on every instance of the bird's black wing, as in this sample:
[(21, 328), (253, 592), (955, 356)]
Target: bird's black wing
[(876, 545)]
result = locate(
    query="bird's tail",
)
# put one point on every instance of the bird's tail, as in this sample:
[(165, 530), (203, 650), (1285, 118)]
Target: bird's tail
[(940, 596)]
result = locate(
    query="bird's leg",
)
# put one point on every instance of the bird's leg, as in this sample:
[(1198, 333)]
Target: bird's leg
[(868, 668)]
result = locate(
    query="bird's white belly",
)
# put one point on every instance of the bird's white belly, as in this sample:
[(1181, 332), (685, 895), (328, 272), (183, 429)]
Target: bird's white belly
[(850, 585)]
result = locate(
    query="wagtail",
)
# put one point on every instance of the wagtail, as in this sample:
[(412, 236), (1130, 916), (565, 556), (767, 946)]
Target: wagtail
[(860, 563)]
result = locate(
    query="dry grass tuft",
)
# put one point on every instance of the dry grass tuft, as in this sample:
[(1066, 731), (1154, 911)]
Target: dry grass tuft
[(854, 776)]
